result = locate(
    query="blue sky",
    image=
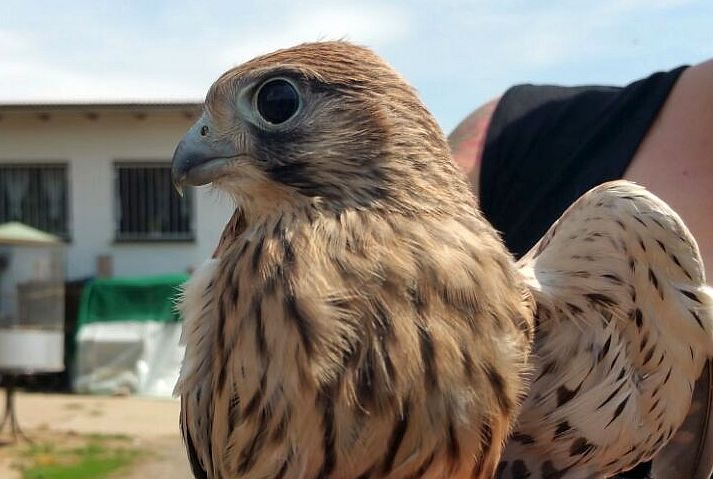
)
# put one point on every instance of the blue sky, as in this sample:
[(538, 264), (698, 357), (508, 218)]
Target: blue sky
[(456, 53)]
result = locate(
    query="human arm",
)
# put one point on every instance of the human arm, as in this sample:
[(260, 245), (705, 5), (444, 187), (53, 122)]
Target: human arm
[(467, 141)]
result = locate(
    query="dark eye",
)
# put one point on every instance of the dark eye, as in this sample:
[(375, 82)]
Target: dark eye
[(277, 101)]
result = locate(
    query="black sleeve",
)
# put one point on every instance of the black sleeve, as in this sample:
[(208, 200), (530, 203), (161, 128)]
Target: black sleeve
[(547, 145)]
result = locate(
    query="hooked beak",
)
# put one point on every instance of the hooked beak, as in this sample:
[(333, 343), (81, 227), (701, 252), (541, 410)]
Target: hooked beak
[(200, 157)]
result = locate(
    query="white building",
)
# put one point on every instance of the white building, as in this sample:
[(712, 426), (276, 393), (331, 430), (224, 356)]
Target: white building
[(98, 175)]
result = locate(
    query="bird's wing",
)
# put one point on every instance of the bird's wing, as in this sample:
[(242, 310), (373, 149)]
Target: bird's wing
[(193, 385), (194, 458), (199, 323), (624, 327)]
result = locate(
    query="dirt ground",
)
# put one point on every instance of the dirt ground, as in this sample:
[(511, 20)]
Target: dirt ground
[(152, 423)]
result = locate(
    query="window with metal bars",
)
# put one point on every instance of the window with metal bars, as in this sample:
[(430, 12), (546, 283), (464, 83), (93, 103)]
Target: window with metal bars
[(35, 194), (148, 206)]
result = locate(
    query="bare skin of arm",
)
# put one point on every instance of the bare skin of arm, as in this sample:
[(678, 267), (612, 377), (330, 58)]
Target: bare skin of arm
[(674, 161), (468, 140)]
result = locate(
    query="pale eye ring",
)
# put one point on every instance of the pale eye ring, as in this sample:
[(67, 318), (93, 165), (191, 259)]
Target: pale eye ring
[(277, 100)]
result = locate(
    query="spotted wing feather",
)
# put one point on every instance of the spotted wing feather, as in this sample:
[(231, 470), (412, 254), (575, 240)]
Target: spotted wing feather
[(624, 327)]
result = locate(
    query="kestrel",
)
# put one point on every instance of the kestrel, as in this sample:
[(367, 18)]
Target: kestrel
[(359, 318)]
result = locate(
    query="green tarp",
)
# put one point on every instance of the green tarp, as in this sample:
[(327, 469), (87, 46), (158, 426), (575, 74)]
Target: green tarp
[(149, 298)]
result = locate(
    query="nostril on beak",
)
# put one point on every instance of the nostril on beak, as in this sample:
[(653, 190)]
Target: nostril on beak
[(204, 130)]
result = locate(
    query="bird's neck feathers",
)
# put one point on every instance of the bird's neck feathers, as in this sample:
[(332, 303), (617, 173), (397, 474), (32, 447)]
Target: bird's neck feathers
[(411, 185), (268, 201), (423, 177)]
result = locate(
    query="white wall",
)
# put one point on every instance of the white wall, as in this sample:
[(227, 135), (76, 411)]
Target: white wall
[(90, 148)]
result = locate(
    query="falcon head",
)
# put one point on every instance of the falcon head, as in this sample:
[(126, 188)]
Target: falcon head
[(326, 123)]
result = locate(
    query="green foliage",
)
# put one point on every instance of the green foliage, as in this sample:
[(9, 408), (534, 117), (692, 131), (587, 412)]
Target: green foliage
[(95, 457)]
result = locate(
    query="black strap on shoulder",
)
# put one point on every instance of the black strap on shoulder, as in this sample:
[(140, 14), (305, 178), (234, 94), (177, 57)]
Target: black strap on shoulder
[(547, 145)]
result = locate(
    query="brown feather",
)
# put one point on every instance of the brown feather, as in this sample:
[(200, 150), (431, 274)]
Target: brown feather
[(365, 319)]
